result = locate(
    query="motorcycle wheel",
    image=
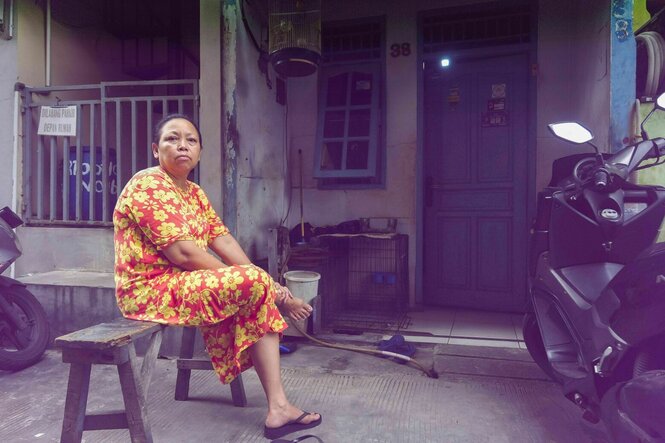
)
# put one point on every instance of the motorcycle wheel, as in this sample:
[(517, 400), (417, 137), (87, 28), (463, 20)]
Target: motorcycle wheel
[(15, 354), (535, 346)]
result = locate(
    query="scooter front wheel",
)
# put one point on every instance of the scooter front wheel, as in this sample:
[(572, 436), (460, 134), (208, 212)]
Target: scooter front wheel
[(535, 346), (22, 348)]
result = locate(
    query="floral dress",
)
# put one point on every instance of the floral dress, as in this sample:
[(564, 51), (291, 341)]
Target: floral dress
[(233, 306)]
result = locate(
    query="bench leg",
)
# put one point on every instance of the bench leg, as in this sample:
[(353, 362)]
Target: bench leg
[(238, 392), (186, 352), (184, 375), (75, 404), (133, 394), (150, 360)]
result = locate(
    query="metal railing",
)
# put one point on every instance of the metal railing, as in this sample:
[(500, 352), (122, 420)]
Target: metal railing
[(75, 180)]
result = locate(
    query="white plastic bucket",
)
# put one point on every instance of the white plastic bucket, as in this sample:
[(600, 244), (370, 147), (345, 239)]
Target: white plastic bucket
[(303, 284)]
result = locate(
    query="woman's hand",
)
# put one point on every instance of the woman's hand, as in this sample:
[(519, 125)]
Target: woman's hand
[(290, 306)]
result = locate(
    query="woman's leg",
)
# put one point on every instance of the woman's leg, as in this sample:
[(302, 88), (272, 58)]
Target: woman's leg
[(247, 313), (265, 357)]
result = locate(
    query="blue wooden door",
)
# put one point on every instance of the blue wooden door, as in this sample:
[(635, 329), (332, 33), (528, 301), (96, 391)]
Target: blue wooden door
[(475, 167)]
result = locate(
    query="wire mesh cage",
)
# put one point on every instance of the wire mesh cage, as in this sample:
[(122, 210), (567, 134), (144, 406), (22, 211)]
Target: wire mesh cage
[(366, 283), (294, 36)]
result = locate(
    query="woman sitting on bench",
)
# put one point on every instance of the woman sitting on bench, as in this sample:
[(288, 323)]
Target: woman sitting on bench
[(164, 225)]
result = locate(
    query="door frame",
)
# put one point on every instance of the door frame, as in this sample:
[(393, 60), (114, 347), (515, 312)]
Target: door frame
[(526, 48)]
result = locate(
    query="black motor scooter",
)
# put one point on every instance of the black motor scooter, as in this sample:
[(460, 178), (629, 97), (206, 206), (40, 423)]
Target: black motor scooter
[(597, 285), (24, 331)]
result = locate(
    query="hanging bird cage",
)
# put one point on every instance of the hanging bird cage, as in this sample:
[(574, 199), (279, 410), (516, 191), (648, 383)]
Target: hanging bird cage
[(294, 36)]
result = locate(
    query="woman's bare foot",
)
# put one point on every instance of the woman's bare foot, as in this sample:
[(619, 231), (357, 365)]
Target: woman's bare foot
[(295, 308), (280, 416)]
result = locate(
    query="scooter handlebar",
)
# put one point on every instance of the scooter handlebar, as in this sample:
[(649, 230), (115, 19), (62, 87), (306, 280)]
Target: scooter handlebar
[(600, 179), (659, 146)]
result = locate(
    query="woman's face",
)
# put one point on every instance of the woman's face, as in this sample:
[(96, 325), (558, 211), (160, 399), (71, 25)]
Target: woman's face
[(179, 147)]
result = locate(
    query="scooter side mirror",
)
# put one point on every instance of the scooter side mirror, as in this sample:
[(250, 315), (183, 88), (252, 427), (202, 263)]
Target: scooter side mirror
[(572, 132), (10, 217), (660, 101)]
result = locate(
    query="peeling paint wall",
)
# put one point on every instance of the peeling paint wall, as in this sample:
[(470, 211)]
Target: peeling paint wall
[(230, 129), (623, 82), (254, 164)]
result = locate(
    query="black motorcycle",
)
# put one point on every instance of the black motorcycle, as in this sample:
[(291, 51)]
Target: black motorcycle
[(597, 285), (24, 331)]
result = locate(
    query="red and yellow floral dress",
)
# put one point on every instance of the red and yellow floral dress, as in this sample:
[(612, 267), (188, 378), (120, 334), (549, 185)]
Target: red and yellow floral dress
[(233, 306)]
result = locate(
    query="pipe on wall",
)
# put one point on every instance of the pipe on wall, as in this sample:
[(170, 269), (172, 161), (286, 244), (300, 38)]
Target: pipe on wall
[(15, 163), (48, 42)]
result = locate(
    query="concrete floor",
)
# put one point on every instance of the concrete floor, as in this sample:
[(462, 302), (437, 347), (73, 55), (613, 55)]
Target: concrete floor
[(482, 395)]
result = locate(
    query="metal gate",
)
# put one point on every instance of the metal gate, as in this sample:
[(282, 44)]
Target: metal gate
[(75, 180)]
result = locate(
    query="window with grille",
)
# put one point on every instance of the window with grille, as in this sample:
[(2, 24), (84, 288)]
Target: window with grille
[(349, 148), (471, 27)]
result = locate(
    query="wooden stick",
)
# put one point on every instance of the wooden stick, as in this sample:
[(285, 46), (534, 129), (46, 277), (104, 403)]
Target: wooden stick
[(302, 217)]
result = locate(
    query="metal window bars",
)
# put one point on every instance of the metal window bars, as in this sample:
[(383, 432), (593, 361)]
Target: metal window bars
[(76, 180)]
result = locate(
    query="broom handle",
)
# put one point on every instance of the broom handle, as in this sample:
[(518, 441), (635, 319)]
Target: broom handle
[(302, 218)]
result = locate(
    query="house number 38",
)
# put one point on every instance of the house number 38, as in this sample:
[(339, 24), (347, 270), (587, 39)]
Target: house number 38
[(403, 49)]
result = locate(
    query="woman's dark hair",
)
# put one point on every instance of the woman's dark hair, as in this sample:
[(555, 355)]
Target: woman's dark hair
[(160, 125)]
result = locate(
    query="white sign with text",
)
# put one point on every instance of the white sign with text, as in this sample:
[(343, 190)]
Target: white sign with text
[(57, 120)]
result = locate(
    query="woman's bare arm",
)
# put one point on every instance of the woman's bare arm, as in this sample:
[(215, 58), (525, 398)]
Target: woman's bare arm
[(186, 255), (228, 248)]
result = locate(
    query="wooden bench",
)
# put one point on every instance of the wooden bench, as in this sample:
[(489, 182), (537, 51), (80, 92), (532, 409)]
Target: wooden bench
[(113, 343)]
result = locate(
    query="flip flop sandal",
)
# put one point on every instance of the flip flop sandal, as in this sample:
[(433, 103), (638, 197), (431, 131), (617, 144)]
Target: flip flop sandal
[(292, 426)]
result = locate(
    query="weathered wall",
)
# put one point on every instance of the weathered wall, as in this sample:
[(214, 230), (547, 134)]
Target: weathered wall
[(572, 83), (210, 114), (89, 55), (398, 198), (249, 137), (573, 80), (79, 56), (8, 76), (254, 173), (49, 249), (30, 57), (84, 56)]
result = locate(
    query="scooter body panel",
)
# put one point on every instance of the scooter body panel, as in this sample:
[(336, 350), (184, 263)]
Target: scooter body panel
[(637, 294), (577, 235), (10, 248), (572, 332), (6, 282)]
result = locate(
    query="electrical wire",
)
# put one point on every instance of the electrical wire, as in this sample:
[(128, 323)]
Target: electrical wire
[(654, 45), (287, 170), (431, 373), (660, 59), (649, 47)]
